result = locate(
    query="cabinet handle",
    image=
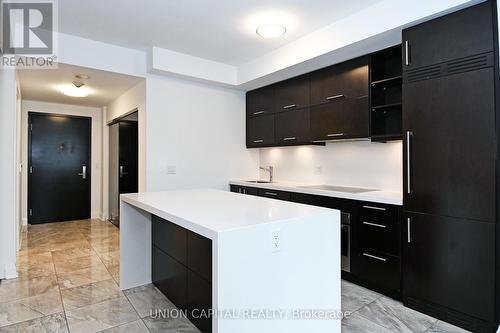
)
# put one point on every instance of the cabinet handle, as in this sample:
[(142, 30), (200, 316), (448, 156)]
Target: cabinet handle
[(408, 230), (258, 141), (375, 224), (334, 135), (375, 208), (289, 106), (407, 53), (409, 136), (374, 257), (258, 112), (244, 191), (329, 98), (271, 193), (289, 138)]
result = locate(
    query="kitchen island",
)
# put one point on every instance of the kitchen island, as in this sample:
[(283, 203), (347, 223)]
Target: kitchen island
[(262, 265)]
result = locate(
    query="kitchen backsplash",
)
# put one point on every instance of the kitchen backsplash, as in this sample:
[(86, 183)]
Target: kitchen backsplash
[(352, 163)]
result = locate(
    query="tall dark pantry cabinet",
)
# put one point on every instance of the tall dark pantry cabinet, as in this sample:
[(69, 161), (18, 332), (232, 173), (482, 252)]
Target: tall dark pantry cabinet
[(450, 123)]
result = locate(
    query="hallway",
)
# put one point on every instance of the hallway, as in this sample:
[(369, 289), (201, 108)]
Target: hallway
[(68, 282)]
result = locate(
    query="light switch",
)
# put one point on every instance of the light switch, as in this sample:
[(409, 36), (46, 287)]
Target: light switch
[(171, 169)]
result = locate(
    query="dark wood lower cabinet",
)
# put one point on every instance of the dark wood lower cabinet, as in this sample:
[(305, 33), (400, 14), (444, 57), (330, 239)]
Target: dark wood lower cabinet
[(171, 239), (380, 270), (449, 269), (170, 277), (374, 239), (182, 270), (244, 190), (199, 301), (280, 195)]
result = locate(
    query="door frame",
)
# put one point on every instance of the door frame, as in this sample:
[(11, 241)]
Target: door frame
[(29, 143)]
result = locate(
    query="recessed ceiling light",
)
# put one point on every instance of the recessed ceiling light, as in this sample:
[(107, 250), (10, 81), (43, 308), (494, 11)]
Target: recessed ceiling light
[(271, 31), (73, 91)]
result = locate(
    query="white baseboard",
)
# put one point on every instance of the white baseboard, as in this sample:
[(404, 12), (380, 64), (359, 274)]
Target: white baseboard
[(10, 271)]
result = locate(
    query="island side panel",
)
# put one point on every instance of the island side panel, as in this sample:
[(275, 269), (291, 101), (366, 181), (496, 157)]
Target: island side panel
[(304, 273), (135, 246)]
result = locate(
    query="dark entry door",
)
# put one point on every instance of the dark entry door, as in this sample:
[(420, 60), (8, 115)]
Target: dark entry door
[(128, 156), (60, 168)]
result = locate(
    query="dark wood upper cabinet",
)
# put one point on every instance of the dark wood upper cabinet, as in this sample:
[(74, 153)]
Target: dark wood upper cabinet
[(292, 127), (260, 101), (449, 125), (292, 94), (346, 80), (343, 119), (260, 131), (386, 95), (461, 34)]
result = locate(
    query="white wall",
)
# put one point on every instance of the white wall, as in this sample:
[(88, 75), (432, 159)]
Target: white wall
[(199, 129), (8, 223), (19, 163), (131, 100), (96, 154), (354, 163)]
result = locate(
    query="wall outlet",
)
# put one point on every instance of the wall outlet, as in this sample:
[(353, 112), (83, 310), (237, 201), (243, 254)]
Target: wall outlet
[(318, 170), (275, 240), (171, 170)]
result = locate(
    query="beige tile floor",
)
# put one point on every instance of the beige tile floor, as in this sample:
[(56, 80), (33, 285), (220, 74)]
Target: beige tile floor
[(68, 282)]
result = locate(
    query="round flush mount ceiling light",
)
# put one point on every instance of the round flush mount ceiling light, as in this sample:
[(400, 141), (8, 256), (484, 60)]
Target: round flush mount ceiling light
[(271, 30)]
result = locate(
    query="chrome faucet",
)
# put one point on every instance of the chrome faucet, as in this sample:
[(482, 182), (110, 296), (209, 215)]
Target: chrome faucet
[(269, 169)]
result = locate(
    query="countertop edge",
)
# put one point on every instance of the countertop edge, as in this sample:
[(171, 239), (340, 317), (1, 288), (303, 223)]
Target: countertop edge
[(197, 228), (342, 195)]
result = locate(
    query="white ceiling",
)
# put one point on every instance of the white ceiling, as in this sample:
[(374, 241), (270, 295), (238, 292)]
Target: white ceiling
[(220, 30), (44, 85)]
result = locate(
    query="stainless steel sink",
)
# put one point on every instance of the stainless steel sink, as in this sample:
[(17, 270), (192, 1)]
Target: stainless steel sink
[(345, 189), (258, 181)]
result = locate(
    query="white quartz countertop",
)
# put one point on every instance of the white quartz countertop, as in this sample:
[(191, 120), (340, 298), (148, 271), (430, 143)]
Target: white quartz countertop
[(209, 212), (377, 196)]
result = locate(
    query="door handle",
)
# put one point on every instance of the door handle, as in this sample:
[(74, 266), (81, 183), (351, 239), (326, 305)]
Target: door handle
[(407, 53), (84, 172), (122, 173), (408, 230), (409, 136)]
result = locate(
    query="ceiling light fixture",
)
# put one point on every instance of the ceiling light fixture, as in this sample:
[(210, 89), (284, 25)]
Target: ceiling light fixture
[(82, 76), (271, 31), (75, 90)]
